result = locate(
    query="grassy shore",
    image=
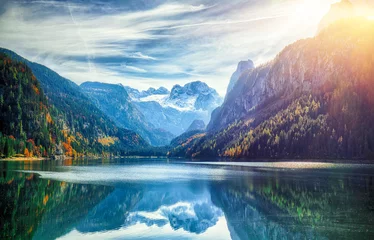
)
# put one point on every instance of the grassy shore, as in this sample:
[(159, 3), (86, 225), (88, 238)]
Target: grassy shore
[(24, 159)]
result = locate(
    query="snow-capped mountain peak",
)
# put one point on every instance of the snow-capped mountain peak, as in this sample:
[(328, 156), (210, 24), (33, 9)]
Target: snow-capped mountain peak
[(175, 110), (192, 96)]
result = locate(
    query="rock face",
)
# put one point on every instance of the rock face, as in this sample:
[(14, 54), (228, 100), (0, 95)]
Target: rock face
[(174, 111), (196, 125), (243, 66), (115, 102), (342, 9), (247, 93)]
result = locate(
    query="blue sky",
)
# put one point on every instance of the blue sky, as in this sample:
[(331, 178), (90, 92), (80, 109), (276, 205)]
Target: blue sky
[(145, 43)]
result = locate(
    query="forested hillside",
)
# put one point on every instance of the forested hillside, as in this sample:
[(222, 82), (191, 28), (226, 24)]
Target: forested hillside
[(314, 100), (26, 125), (61, 121)]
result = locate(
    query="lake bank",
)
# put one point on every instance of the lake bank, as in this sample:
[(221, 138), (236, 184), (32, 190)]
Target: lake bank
[(15, 159)]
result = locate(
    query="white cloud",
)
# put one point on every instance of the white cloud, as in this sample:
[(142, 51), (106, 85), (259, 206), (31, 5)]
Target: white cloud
[(142, 56), (134, 69), (200, 42)]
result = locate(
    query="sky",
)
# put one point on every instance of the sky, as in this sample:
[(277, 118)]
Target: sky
[(153, 43)]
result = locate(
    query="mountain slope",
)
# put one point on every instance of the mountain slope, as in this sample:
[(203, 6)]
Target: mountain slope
[(305, 66), (85, 128), (315, 99), (196, 125), (114, 101)]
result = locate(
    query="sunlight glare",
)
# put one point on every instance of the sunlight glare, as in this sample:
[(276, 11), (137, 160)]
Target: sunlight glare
[(311, 11)]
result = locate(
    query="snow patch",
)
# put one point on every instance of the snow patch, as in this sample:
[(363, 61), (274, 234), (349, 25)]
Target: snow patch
[(153, 98), (184, 103)]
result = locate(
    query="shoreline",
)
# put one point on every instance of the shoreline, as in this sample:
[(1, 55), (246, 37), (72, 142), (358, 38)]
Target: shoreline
[(213, 160), (277, 160), (19, 159), (286, 164)]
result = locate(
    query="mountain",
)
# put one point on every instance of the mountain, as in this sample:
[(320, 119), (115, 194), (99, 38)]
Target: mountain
[(180, 144), (195, 96), (174, 111), (84, 128), (196, 125), (314, 100), (339, 10), (115, 102), (195, 130), (134, 93), (243, 66)]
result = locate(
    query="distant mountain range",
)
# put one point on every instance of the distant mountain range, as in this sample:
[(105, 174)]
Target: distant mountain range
[(175, 111), (115, 102), (158, 115)]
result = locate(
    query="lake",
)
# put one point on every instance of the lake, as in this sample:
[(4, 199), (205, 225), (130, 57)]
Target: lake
[(165, 199)]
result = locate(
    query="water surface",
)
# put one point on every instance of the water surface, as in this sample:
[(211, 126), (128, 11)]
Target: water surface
[(163, 199)]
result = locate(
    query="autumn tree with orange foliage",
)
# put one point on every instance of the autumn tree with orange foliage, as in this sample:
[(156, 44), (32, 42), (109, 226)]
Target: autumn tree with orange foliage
[(68, 148), (26, 153)]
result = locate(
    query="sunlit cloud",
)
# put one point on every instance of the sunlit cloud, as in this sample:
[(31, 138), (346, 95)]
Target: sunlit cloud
[(227, 22)]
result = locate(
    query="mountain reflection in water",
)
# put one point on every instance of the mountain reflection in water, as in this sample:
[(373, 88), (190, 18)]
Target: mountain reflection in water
[(185, 202)]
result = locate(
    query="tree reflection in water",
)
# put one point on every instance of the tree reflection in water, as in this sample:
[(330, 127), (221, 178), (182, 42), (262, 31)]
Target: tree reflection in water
[(302, 205)]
